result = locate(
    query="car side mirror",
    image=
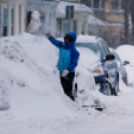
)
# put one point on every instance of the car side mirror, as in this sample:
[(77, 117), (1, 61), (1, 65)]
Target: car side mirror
[(110, 57), (126, 62)]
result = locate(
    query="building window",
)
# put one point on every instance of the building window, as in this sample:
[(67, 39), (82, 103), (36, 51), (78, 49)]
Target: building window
[(4, 23), (99, 4), (96, 3), (123, 4), (115, 4), (103, 2)]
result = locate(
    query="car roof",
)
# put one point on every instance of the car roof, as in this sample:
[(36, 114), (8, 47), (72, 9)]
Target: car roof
[(86, 39)]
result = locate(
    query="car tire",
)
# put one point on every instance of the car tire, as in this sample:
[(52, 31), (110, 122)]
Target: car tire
[(106, 89)]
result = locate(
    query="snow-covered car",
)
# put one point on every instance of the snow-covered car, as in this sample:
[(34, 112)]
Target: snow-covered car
[(96, 57), (121, 66)]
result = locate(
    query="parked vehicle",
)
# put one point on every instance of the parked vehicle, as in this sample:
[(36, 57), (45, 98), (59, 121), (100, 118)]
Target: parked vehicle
[(96, 57), (121, 66)]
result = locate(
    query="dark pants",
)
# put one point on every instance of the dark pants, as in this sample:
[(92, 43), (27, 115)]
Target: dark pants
[(67, 84)]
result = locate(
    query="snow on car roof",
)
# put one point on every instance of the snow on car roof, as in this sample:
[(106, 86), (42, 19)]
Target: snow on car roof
[(86, 39), (83, 39)]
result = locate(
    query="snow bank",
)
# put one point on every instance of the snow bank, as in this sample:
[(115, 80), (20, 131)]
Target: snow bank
[(32, 91), (126, 53)]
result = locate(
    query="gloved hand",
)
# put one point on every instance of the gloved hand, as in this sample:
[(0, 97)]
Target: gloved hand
[(48, 35), (65, 72)]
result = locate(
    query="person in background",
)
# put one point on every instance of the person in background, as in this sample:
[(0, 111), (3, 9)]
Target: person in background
[(67, 62)]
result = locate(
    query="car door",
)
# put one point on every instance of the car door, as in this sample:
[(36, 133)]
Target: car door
[(108, 65)]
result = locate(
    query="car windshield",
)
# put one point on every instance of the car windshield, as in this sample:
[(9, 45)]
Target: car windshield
[(92, 46)]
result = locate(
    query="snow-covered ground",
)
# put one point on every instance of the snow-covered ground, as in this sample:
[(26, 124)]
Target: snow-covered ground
[(30, 90)]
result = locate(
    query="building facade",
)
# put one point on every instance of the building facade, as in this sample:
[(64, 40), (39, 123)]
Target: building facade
[(12, 17), (78, 24), (111, 12)]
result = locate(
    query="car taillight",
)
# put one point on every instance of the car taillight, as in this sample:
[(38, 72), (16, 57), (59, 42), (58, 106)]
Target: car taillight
[(98, 70)]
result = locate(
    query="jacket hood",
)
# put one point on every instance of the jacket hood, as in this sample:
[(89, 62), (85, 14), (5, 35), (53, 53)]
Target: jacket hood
[(72, 43)]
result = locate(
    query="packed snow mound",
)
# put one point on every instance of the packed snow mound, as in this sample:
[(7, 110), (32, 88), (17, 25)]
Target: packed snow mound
[(84, 79), (126, 52), (38, 48), (85, 85), (32, 90), (14, 52)]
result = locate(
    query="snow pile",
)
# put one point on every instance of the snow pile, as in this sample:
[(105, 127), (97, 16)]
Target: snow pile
[(126, 53), (85, 84), (32, 90)]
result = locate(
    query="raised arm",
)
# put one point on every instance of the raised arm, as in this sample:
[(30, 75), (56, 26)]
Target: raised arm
[(56, 42)]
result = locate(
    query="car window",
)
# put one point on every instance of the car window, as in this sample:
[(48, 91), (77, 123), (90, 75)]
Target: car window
[(106, 46), (103, 50)]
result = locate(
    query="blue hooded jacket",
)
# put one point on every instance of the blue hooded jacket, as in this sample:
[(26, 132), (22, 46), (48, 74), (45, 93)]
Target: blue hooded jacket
[(68, 55)]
